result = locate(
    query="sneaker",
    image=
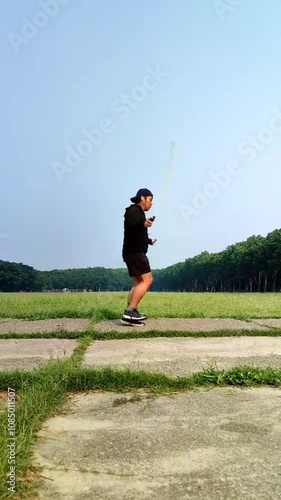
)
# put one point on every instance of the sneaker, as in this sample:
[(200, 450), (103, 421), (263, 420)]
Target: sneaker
[(132, 323), (133, 315), (143, 317)]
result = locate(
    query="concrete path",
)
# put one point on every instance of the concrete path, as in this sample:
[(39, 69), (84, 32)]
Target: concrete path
[(180, 356), (275, 323), (184, 324), (174, 356), (25, 354), (222, 444), (161, 324), (45, 325)]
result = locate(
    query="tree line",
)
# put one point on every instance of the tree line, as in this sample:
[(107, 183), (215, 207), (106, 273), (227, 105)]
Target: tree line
[(250, 266), (18, 277)]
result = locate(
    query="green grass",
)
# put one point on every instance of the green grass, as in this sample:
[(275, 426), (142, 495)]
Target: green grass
[(111, 335), (124, 380), (35, 403), (109, 305), (58, 375)]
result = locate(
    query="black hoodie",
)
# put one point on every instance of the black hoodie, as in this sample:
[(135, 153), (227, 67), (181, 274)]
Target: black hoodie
[(136, 239)]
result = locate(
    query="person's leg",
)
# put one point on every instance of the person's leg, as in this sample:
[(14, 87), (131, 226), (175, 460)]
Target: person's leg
[(140, 290), (136, 281)]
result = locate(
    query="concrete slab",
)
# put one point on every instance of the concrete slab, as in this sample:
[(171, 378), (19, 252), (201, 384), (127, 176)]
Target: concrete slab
[(221, 444), (46, 325), (275, 323), (180, 324), (182, 355), (25, 354)]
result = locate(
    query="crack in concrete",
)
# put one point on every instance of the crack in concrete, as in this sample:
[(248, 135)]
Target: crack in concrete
[(96, 472)]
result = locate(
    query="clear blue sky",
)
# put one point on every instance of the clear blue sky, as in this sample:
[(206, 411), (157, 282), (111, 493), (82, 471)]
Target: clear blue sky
[(222, 83)]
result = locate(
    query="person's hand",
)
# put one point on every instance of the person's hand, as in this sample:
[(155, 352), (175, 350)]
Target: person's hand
[(153, 242), (148, 223)]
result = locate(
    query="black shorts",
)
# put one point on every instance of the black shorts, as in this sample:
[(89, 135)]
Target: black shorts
[(137, 264)]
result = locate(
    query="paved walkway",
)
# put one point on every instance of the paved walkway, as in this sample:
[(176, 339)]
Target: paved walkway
[(190, 324), (161, 324), (26, 354), (180, 356), (222, 444), (45, 325), (173, 356)]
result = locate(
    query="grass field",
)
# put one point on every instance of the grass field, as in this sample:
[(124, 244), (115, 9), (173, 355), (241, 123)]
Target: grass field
[(110, 305)]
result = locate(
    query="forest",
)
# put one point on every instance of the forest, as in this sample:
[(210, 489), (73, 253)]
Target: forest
[(253, 265)]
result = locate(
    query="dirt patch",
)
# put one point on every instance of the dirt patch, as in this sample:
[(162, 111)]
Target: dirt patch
[(3, 397), (136, 398), (3, 401)]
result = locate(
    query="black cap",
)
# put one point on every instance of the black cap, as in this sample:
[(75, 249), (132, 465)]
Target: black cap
[(141, 192)]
